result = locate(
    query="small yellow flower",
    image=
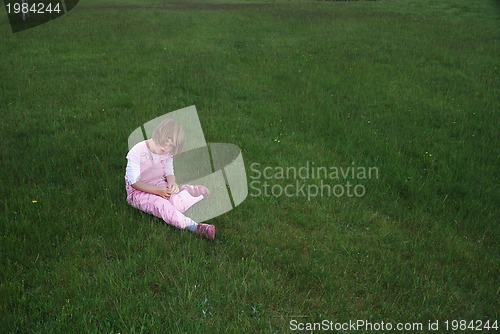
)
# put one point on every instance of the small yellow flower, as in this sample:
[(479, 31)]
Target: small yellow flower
[(34, 201)]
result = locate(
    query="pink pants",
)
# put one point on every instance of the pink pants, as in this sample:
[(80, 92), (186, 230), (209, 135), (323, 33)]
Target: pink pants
[(170, 210)]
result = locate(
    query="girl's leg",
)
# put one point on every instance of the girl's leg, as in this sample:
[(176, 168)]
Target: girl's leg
[(196, 190), (164, 209), (188, 196)]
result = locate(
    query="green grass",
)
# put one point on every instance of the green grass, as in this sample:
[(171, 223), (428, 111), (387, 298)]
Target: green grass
[(411, 87)]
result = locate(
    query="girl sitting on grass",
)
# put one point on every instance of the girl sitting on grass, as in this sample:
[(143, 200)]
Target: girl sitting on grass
[(150, 180)]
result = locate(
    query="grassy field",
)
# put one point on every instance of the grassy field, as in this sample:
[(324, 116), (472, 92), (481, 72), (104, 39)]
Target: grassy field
[(409, 87)]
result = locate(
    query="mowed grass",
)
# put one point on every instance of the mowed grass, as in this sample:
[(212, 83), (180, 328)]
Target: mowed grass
[(409, 87)]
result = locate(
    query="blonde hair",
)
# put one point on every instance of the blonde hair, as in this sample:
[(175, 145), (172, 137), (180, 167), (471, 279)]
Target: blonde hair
[(169, 129)]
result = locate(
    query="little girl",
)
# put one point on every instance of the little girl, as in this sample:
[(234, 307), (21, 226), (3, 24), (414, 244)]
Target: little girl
[(150, 180)]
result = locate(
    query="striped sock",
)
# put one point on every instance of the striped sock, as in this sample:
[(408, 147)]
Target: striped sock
[(192, 226)]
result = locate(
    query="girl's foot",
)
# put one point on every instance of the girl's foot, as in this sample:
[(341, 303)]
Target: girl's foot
[(206, 231), (196, 191)]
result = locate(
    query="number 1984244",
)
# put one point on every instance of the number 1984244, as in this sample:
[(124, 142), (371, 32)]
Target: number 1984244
[(32, 8)]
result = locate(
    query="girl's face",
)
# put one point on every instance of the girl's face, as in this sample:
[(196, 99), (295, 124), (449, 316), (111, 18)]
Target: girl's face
[(164, 149)]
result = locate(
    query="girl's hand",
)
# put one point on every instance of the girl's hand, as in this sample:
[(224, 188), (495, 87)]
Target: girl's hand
[(174, 188), (164, 192)]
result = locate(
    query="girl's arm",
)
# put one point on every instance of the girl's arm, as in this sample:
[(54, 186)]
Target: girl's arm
[(162, 192), (132, 174), (174, 187), (170, 178)]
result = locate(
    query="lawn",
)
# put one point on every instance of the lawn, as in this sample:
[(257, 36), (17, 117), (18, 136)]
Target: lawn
[(407, 88)]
